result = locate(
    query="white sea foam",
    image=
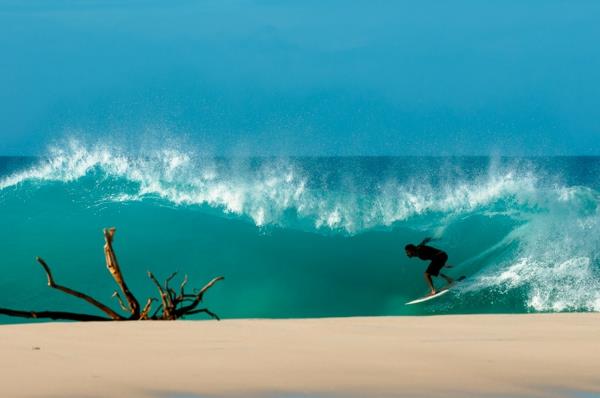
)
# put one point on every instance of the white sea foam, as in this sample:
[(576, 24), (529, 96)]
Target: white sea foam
[(557, 257), (266, 193)]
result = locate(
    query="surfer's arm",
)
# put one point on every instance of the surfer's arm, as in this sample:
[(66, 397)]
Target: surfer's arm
[(425, 241)]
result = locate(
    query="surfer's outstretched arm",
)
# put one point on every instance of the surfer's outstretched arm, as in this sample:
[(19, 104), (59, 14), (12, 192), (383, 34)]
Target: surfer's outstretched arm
[(425, 241)]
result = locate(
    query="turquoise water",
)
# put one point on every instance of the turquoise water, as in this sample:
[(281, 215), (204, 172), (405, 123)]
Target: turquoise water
[(303, 237)]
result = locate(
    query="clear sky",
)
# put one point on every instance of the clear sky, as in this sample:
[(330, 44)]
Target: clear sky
[(305, 77)]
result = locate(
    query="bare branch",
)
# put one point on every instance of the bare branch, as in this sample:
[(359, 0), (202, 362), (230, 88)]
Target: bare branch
[(169, 279), (167, 309), (185, 280), (47, 270), (160, 306), (166, 304), (199, 296), (171, 292), (205, 310), (146, 310), (120, 300), (108, 311), (72, 316), (113, 266), (208, 286)]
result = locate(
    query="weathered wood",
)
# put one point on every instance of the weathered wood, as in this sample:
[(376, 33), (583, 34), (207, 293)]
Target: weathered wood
[(198, 298), (182, 286), (113, 266), (147, 308), (171, 306), (117, 296), (171, 292), (112, 314), (71, 316), (167, 305), (205, 310)]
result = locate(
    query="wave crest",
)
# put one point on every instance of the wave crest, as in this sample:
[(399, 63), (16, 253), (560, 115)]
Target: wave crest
[(268, 190)]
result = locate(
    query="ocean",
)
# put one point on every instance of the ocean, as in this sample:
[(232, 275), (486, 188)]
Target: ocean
[(302, 236)]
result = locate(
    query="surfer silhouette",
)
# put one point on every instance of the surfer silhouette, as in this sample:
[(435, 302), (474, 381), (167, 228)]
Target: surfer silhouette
[(437, 257)]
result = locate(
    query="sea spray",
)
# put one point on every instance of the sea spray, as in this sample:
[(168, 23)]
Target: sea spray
[(266, 190)]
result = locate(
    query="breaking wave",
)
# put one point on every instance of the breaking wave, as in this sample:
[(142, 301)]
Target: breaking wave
[(525, 231)]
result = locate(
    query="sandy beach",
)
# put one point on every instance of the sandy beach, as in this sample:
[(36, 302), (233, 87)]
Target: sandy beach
[(465, 355)]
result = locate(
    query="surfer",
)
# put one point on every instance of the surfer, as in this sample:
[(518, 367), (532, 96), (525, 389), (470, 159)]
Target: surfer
[(437, 257)]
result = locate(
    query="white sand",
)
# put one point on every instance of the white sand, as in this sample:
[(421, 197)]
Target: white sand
[(471, 355)]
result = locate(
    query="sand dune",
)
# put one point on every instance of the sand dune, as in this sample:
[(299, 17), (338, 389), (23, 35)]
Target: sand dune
[(471, 355)]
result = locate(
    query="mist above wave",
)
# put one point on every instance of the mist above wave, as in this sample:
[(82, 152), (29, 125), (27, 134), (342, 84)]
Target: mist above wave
[(268, 190)]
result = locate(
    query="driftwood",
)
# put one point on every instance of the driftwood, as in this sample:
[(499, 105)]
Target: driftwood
[(172, 305)]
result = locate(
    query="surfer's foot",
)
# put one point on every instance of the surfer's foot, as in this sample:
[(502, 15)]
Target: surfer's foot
[(433, 292)]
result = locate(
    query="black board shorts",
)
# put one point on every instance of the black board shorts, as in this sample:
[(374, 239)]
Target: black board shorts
[(437, 264)]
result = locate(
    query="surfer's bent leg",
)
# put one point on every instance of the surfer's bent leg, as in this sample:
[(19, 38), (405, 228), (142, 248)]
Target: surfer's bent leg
[(437, 264), (429, 282)]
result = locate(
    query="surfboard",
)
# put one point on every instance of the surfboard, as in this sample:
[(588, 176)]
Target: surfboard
[(439, 293)]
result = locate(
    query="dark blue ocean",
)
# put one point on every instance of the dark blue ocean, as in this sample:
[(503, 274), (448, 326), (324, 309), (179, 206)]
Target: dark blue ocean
[(303, 237)]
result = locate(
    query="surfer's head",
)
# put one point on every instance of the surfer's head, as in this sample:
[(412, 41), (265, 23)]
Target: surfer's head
[(410, 249)]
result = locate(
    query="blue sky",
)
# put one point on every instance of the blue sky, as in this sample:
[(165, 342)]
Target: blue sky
[(304, 77)]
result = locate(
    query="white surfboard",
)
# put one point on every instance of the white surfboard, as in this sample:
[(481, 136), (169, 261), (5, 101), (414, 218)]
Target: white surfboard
[(439, 293)]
